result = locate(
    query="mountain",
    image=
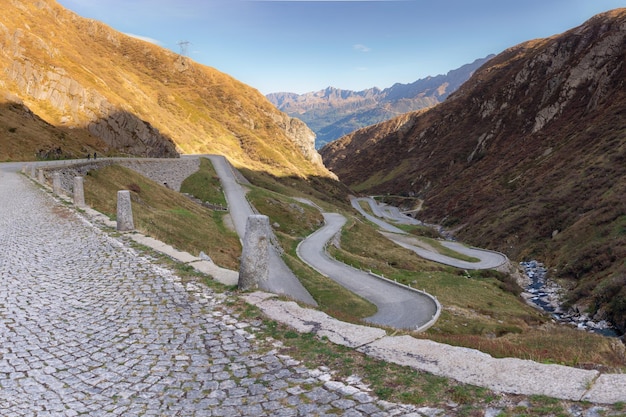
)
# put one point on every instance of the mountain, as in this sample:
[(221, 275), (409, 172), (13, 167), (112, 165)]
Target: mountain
[(332, 112), (90, 88), (528, 157)]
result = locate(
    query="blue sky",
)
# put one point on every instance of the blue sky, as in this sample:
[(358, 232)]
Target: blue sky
[(301, 46)]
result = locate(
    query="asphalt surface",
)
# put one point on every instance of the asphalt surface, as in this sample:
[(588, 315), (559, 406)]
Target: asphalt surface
[(487, 259), (281, 279), (398, 306)]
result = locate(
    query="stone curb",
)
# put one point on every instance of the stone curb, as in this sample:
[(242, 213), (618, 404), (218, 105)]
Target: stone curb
[(306, 320), (433, 298), (470, 366)]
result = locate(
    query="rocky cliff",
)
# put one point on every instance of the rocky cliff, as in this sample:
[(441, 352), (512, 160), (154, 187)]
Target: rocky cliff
[(333, 112), (133, 97), (30, 79), (528, 157)]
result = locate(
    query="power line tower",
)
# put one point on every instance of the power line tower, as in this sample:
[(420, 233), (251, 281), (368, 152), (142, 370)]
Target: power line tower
[(183, 47)]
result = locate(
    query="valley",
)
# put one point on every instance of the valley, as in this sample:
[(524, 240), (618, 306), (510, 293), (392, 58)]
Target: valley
[(405, 307), (522, 154), (291, 206), (526, 158)]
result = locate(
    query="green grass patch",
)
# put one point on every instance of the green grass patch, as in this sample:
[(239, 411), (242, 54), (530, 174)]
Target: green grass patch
[(287, 215), (164, 214), (204, 184), (436, 244), (292, 221), (482, 309)]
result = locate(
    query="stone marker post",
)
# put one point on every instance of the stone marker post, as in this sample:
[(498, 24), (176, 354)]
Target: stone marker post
[(255, 255), (56, 183), (33, 171), (124, 212), (40, 177), (79, 192)]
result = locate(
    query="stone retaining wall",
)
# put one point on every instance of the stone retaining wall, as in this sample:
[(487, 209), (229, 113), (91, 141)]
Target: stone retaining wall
[(169, 172)]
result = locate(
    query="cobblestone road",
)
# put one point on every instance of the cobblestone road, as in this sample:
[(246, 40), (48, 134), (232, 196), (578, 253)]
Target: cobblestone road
[(88, 326)]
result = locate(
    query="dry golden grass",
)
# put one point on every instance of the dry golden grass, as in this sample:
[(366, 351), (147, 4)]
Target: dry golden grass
[(200, 108)]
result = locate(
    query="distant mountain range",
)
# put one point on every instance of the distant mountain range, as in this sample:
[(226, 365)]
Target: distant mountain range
[(332, 113), (528, 157)]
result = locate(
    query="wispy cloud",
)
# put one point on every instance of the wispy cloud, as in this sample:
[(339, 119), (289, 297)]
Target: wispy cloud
[(361, 48), (145, 38)]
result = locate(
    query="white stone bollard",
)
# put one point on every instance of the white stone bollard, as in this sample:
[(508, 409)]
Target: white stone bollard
[(33, 171), (40, 177), (124, 212), (255, 255), (56, 183), (79, 192)]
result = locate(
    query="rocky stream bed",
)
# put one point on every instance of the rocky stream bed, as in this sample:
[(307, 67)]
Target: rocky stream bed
[(545, 295)]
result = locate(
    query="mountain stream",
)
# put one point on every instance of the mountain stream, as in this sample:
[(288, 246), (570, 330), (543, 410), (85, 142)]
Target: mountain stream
[(544, 295)]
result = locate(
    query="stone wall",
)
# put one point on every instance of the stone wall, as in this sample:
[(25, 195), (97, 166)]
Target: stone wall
[(170, 172)]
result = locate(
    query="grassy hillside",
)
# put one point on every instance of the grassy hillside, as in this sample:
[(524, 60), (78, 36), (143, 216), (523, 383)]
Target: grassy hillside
[(527, 158), (75, 72), (24, 136), (165, 214)]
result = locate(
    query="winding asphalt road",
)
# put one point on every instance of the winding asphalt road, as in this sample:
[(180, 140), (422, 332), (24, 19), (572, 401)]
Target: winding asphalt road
[(487, 259), (398, 306), (281, 279)]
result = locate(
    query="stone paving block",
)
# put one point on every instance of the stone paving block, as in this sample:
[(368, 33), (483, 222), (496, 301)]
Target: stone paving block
[(607, 389)]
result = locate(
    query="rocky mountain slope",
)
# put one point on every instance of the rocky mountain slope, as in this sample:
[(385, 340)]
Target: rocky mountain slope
[(528, 157), (95, 89), (333, 112)]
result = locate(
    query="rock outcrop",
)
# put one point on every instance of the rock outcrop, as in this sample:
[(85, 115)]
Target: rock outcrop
[(300, 134)]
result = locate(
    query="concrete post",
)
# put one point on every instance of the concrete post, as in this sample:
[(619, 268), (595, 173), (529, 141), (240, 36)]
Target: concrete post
[(33, 171), (56, 183), (40, 177), (79, 192), (124, 212), (255, 255)]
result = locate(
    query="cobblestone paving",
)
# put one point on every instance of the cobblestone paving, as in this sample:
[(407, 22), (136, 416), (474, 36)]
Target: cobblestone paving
[(87, 326)]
